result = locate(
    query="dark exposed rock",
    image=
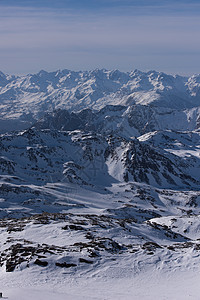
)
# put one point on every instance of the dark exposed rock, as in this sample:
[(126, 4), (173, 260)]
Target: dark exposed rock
[(65, 265), (40, 263), (10, 266), (73, 227), (150, 246), (83, 260)]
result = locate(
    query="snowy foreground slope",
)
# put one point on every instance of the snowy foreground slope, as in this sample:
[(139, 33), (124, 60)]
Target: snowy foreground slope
[(99, 186)]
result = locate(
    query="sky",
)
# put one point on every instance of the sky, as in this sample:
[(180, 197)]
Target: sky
[(112, 34)]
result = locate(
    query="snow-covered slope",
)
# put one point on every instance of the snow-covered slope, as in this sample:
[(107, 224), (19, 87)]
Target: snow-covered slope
[(99, 184), (122, 184)]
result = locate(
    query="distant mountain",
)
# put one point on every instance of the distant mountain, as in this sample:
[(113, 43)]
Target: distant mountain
[(132, 121), (45, 91)]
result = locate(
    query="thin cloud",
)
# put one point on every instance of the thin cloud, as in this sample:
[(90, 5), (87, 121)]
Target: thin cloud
[(32, 37)]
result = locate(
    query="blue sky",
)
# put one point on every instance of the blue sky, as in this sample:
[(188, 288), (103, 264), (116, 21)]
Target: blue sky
[(113, 34)]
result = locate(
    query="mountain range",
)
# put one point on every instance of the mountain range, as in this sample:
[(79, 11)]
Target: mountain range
[(99, 176), (28, 97)]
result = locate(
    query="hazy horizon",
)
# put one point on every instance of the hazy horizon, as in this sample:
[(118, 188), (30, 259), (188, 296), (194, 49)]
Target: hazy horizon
[(90, 70), (113, 34)]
